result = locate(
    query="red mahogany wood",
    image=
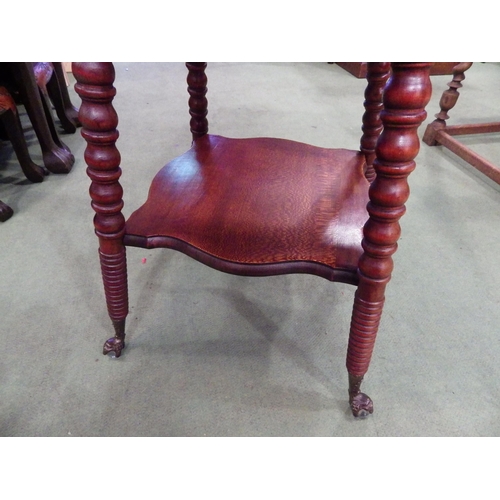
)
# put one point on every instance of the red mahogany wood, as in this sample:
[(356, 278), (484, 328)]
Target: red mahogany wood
[(265, 206), (439, 133), (214, 200), (377, 75), (99, 121), (405, 97)]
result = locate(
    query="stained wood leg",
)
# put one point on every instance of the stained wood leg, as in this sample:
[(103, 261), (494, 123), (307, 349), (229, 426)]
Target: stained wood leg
[(99, 121), (44, 74), (439, 133), (198, 104), (405, 98), (57, 158), (377, 76), (58, 93), (114, 274), (14, 132), (446, 103), (365, 320)]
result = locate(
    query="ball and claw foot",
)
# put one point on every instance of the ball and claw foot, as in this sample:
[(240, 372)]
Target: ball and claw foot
[(114, 345), (361, 405)]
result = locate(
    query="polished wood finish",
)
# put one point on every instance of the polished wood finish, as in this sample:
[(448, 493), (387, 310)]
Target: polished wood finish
[(405, 98), (259, 222), (439, 133), (99, 121), (197, 89), (265, 206), (377, 75)]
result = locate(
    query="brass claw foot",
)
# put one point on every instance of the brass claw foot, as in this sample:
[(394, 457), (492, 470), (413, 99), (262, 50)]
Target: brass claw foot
[(361, 405), (114, 345)]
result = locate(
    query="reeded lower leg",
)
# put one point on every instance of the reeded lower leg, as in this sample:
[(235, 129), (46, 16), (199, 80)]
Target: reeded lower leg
[(364, 327), (114, 274)]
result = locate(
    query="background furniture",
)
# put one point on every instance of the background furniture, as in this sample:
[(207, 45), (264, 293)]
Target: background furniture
[(263, 206), (21, 81), (439, 133), (11, 129), (359, 69), (38, 86)]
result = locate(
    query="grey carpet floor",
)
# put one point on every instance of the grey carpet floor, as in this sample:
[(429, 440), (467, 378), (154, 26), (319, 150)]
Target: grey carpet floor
[(211, 354)]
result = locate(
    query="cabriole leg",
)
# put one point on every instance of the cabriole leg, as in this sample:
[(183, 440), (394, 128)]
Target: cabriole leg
[(99, 122)]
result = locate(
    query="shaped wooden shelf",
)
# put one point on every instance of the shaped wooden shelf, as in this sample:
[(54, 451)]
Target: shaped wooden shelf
[(259, 207)]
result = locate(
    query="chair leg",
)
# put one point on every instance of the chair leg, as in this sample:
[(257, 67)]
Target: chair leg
[(31, 170), (58, 93), (57, 159)]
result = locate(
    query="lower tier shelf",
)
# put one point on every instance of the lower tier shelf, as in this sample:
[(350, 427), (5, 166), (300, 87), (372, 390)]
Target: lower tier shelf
[(259, 207)]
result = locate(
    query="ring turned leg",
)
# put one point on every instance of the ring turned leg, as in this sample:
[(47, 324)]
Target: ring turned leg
[(404, 99), (99, 122)]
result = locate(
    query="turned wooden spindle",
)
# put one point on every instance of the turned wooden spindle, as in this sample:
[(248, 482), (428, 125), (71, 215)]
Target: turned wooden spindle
[(99, 122), (405, 98), (447, 102), (197, 88), (377, 75)]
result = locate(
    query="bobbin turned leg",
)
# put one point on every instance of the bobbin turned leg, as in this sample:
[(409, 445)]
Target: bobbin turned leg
[(198, 104), (99, 121), (446, 103), (377, 75), (405, 98)]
